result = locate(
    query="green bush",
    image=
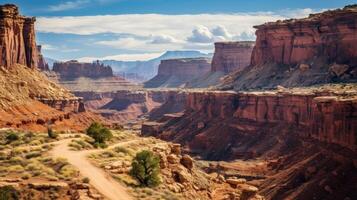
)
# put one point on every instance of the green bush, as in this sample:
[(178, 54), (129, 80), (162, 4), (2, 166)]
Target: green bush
[(145, 169), (51, 134), (8, 193), (99, 133), (85, 180), (11, 137)]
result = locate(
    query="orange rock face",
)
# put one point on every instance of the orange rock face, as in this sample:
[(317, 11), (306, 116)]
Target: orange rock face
[(330, 35), (231, 56), (74, 69), (17, 38)]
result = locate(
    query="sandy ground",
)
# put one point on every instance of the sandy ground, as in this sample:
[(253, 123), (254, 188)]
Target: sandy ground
[(104, 183)]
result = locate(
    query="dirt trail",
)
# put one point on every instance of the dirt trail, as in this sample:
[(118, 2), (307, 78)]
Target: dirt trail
[(103, 182)]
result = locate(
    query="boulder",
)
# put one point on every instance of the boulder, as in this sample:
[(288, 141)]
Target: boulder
[(187, 161), (234, 181), (173, 159)]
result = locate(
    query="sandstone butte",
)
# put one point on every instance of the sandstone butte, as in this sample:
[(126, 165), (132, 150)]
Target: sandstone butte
[(330, 35), (232, 56), (74, 69), (177, 72)]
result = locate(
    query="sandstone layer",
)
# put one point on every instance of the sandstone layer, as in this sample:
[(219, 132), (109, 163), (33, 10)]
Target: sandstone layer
[(232, 56), (17, 38), (74, 69), (177, 72), (301, 52)]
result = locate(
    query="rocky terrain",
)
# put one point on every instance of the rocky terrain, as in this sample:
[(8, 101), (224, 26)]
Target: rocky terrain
[(302, 52), (42, 63), (176, 73)]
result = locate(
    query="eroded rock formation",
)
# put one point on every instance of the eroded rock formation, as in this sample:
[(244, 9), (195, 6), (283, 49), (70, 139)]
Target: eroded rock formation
[(74, 69), (17, 38), (302, 52), (42, 64), (232, 56), (177, 72), (330, 35)]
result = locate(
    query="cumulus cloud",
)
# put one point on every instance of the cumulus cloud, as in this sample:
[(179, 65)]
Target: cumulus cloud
[(201, 34), (163, 39)]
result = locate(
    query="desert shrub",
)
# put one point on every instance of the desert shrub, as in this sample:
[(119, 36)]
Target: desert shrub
[(15, 168), (8, 193), (35, 142), (51, 133), (11, 137), (26, 176), (33, 155), (145, 169), (121, 150), (85, 180), (99, 133), (68, 171)]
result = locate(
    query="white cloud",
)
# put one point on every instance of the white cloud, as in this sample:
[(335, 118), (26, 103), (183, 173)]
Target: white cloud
[(201, 34), (163, 39), (68, 5), (123, 57), (48, 47), (155, 33)]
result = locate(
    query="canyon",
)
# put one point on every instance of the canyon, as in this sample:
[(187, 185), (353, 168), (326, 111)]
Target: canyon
[(176, 73), (271, 119)]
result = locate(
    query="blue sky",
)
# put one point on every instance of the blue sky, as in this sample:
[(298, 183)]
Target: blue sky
[(142, 29)]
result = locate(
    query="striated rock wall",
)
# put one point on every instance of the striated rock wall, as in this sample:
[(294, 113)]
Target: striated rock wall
[(232, 56), (74, 69), (177, 72), (42, 64), (17, 38), (330, 35), (326, 118)]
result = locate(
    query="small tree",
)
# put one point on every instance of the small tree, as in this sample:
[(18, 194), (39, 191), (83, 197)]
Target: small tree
[(51, 134), (99, 133), (11, 137), (8, 193), (145, 169)]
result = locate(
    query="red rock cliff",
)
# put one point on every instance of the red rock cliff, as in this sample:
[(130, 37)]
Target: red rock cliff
[(177, 72), (330, 35), (42, 64), (74, 69), (17, 38), (232, 56)]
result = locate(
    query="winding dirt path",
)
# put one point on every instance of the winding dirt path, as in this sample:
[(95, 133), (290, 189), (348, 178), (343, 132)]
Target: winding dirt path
[(103, 182)]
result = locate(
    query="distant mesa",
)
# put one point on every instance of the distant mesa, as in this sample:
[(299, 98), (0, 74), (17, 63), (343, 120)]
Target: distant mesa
[(177, 72), (73, 69)]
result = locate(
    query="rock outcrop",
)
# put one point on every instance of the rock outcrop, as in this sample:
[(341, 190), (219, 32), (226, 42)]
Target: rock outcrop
[(330, 35), (74, 69), (42, 64), (17, 38), (177, 72), (302, 52), (232, 56)]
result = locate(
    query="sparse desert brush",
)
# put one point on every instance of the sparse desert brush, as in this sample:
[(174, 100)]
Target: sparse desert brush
[(51, 178), (11, 136), (26, 176), (121, 150), (35, 142), (69, 171), (33, 155), (51, 133), (17, 160), (15, 168)]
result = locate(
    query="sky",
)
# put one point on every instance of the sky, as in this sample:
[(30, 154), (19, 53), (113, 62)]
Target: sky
[(87, 30)]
